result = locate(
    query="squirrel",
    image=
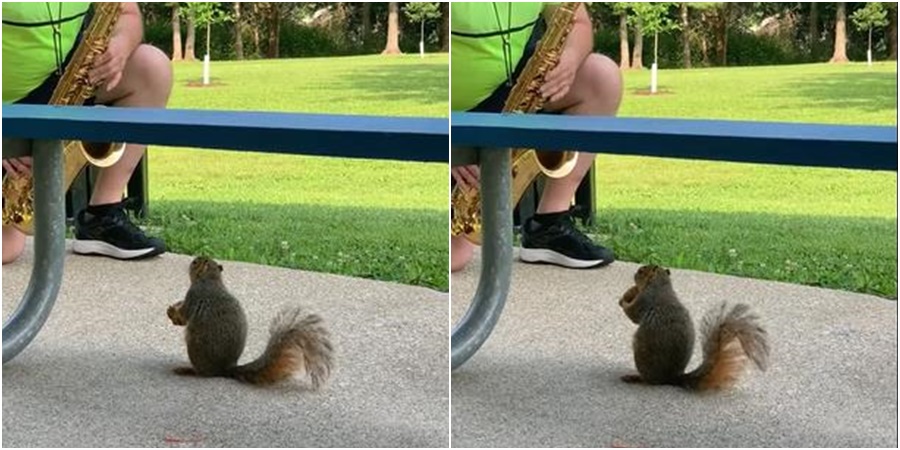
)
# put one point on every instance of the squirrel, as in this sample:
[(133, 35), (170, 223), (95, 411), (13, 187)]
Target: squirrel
[(664, 340), (216, 331)]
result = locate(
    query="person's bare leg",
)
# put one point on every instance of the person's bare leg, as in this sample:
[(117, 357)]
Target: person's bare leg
[(597, 91), (460, 253), (146, 82), (103, 228), (13, 244)]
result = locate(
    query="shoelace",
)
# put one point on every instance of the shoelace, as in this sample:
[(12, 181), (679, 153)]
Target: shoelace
[(119, 217), (567, 225)]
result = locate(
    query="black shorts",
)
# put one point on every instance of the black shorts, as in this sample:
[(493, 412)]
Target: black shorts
[(42, 94)]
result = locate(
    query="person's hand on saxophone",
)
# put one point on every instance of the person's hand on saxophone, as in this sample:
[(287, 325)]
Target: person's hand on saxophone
[(579, 44), (466, 176), (17, 167), (108, 67)]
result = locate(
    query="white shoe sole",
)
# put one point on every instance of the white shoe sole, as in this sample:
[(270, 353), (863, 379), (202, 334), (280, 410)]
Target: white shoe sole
[(542, 255), (103, 248)]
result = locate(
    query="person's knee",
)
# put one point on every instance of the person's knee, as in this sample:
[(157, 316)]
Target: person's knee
[(605, 79), (13, 244), (460, 253), (155, 72)]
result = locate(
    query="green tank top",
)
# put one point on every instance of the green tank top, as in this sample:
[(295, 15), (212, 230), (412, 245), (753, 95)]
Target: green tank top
[(477, 63), (28, 52)]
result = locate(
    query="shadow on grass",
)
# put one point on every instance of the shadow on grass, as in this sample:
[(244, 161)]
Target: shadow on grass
[(852, 254), (406, 246), (427, 84), (863, 91)]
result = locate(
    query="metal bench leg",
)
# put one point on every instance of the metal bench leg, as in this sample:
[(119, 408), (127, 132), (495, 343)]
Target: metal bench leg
[(496, 265), (49, 250)]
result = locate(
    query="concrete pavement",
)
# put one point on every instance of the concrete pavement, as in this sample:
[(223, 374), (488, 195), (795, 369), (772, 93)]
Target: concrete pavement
[(549, 374), (99, 373)]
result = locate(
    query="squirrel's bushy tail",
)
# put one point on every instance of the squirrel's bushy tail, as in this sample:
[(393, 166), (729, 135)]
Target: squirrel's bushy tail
[(298, 342), (731, 336)]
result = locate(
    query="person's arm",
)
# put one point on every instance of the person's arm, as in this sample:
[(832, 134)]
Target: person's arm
[(579, 44), (126, 37)]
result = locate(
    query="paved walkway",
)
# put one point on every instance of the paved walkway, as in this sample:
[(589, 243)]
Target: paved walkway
[(549, 374), (99, 373)]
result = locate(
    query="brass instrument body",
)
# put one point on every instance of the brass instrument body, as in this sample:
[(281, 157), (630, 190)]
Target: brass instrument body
[(525, 97), (74, 88)]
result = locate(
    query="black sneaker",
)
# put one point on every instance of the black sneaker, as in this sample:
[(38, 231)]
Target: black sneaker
[(562, 244), (109, 232)]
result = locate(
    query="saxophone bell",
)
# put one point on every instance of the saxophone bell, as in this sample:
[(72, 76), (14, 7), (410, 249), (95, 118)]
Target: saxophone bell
[(556, 164), (102, 154)]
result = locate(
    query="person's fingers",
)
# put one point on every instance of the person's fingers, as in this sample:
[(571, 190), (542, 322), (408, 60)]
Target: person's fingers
[(550, 82), (460, 181), (105, 73), (15, 167), (114, 81), (102, 59), (98, 74), (559, 94), (466, 175), (475, 171), (21, 168), (99, 67), (471, 175), (463, 178)]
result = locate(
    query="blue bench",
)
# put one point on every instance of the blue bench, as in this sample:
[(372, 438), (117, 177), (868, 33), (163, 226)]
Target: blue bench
[(484, 138), (38, 131)]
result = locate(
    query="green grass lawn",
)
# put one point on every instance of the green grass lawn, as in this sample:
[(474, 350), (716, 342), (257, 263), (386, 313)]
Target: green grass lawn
[(825, 227), (388, 220), (377, 219)]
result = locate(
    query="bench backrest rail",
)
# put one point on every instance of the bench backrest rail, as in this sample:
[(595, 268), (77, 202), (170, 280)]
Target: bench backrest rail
[(370, 137), (857, 147)]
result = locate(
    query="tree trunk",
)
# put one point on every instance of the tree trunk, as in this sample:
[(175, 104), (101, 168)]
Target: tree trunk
[(840, 34), (274, 28), (624, 59), (339, 26), (255, 26), (637, 54), (704, 49), (892, 32), (190, 40), (685, 35), (238, 35), (445, 26), (722, 34), (176, 35), (366, 24), (813, 30), (393, 34)]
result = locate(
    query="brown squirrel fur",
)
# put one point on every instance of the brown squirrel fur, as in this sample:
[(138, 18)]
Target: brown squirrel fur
[(216, 331), (664, 341)]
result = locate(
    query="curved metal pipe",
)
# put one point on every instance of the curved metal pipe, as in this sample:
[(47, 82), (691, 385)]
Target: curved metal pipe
[(496, 265), (49, 250)]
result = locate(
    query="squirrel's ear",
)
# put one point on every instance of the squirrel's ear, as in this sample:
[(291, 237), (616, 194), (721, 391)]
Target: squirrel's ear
[(221, 269), (667, 272)]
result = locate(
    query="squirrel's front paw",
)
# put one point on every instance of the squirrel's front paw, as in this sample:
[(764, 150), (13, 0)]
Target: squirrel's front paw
[(174, 313), (629, 296)]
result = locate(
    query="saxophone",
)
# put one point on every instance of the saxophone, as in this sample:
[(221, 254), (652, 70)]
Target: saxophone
[(524, 97), (73, 89)]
